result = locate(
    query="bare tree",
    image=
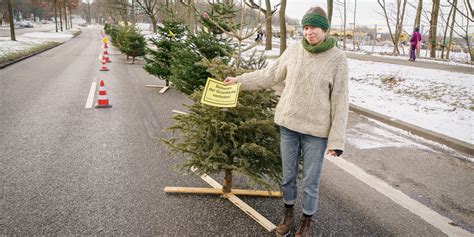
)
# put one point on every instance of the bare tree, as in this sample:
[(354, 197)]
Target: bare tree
[(282, 26), (400, 12), (417, 22), (10, 18), (418, 14), (354, 26), (444, 44), (65, 14), (465, 27), (344, 24), (60, 14), (55, 5), (268, 12), (455, 3), (433, 26), (151, 8), (132, 13)]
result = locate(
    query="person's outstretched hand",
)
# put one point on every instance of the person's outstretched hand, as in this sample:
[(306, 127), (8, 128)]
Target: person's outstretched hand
[(331, 153), (230, 80)]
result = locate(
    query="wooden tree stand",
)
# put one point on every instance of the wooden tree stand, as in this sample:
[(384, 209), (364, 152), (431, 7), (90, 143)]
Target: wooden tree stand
[(217, 188), (163, 88)]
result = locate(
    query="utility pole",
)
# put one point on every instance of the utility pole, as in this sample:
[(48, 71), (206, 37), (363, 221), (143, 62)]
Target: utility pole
[(10, 17)]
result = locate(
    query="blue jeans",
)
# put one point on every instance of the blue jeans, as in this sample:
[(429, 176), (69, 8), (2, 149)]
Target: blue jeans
[(294, 145)]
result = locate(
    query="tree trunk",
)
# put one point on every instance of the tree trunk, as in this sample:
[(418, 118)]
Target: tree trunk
[(468, 42), (353, 29), (344, 25), (400, 24), (227, 187), (153, 23), (56, 14), (434, 24), (418, 14), (10, 19), (133, 12), (445, 34), (125, 12), (455, 3), (268, 25), (330, 4), (418, 21), (60, 16), (70, 15), (88, 20), (282, 26), (65, 15)]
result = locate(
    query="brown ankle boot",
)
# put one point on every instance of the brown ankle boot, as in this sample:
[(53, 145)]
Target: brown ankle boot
[(304, 227), (284, 227)]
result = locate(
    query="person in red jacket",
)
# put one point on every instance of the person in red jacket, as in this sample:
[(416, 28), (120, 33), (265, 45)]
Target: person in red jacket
[(415, 42)]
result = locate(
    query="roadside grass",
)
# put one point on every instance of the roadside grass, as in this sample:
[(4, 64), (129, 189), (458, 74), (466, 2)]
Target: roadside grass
[(9, 57)]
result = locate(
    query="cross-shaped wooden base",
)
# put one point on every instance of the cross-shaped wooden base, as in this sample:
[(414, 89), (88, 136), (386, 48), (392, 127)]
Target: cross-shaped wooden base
[(217, 189)]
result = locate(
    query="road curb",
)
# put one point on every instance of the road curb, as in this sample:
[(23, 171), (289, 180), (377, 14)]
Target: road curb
[(434, 136), (2, 66)]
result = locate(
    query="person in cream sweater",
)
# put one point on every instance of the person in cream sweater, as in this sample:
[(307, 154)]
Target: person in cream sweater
[(312, 111)]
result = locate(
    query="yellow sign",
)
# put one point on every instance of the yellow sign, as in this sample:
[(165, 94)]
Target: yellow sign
[(219, 95), (104, 40)]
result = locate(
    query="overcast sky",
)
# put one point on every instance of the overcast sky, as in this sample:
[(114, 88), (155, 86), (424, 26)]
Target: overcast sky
[(367, 13)]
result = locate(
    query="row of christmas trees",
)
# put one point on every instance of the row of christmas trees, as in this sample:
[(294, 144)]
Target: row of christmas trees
[(243, 139)]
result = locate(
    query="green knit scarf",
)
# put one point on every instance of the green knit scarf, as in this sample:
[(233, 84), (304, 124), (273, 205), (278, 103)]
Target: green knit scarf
[(328, 43)]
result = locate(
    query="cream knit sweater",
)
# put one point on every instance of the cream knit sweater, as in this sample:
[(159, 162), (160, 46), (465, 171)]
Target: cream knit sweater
[(315, 98)]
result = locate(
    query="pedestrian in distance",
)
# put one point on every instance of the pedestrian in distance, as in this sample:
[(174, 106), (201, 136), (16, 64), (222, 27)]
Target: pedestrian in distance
[(415, 43), (259, 35), (312, 112)]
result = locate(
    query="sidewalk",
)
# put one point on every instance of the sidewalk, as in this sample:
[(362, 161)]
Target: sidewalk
[(421, 64)]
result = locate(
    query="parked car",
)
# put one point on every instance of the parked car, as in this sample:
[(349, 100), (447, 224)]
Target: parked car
[(27, 24)]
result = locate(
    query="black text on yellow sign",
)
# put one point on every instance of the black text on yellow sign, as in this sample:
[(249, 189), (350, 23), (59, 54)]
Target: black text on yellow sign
[(219, 95)]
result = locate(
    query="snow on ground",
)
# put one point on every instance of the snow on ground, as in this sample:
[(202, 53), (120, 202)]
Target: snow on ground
[(436, 100), (30, 40)]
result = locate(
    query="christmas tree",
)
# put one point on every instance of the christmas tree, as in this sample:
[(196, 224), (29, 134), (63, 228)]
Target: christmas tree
[(187, 74), (133, 44), (158, 58)]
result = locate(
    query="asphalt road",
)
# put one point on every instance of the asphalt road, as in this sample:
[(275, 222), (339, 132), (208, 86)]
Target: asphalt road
[(71, 170)]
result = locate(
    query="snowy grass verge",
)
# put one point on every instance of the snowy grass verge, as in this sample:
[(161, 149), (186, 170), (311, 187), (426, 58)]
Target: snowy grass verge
[(32, 43), (16, 55)]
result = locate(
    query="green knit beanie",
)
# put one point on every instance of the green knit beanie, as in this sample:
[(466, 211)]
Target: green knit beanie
[(316, 17)]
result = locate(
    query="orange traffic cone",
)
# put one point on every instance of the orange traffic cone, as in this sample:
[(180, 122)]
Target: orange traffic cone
[(104, 65), (106, 58), (102, 101)]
